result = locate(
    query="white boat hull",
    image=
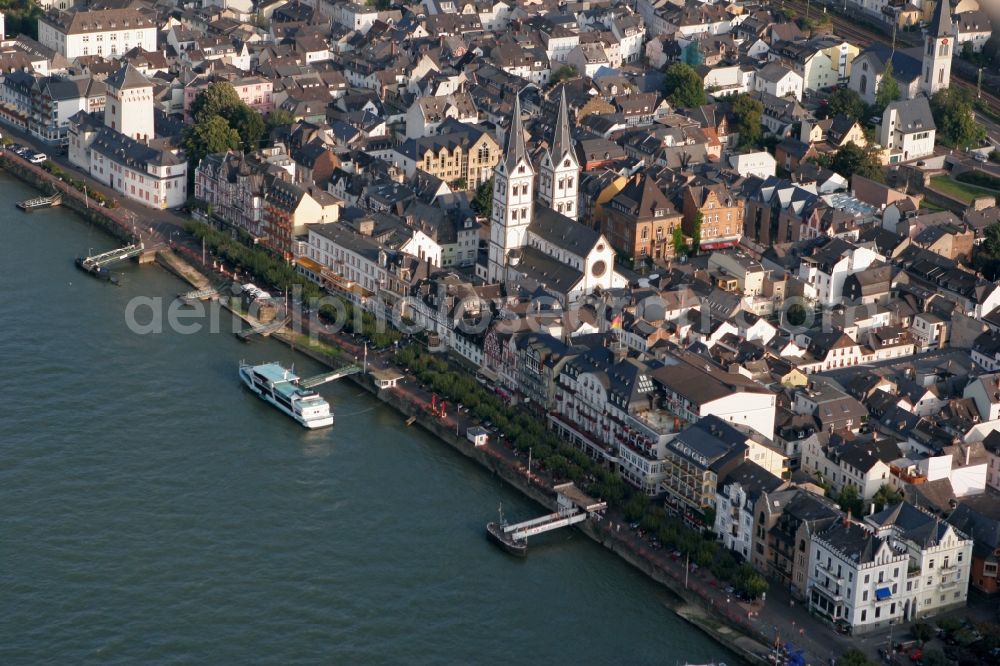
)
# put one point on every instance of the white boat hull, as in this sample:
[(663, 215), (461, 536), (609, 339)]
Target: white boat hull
[(312, 424)]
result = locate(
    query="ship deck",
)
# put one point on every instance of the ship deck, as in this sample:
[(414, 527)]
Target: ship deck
[(282, 380)]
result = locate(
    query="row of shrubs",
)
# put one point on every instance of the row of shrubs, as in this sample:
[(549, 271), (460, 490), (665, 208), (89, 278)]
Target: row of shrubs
[(79, 185), (979, 179), (271, 270), (360, 322), (524, 429)]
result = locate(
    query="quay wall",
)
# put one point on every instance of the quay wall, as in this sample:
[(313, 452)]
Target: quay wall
[(690, 606), (111, 220)]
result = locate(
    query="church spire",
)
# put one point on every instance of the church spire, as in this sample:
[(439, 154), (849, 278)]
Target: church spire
[(941, 22), (562, 142), (514, 150)]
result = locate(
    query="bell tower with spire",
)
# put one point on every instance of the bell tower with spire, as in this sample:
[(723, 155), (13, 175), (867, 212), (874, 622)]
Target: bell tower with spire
[(513, 199), (938, 50), (559, 174)]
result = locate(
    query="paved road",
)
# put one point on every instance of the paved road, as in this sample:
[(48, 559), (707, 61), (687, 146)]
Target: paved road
[(777, 618), (164, 223)]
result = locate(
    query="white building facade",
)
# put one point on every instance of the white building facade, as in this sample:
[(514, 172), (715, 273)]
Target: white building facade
[(108, 33)]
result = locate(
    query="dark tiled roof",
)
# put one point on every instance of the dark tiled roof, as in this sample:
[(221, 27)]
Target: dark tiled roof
[(128, 77), (562, 231), (544, 269), (754, 479), (979, 517), (911, 524), (129, 152), (857, 543), (77, 23)]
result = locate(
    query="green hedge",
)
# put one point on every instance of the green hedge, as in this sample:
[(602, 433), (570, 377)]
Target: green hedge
[(980, 179)]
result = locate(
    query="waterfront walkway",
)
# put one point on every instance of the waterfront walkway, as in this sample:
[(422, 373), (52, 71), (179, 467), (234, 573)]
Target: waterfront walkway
[(707, 602), (154, 225), (123, 218)]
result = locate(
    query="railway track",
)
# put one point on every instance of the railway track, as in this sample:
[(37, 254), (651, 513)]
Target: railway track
[(863, 37)]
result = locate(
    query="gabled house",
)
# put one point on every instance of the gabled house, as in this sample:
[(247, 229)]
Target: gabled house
[(640, 220), (778, 80), (979, 517), (907, 131), (736, 501)]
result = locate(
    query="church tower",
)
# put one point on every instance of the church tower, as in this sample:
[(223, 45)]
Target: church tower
[(938, 50), (513, 199), (129, 105), (559, 175)]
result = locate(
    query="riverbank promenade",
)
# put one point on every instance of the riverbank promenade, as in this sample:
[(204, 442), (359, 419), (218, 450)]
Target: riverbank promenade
[(750, 629)]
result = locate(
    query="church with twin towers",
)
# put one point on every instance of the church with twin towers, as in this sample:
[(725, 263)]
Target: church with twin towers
[(537, 241)]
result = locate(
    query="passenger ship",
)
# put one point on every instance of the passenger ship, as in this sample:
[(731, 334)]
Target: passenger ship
[(280, 387)]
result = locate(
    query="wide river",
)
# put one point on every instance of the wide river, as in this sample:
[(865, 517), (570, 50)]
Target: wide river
[(153, 511)]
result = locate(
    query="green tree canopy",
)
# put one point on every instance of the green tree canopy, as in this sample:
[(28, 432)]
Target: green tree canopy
[(249, 125), (218, 99), (213, 135), (850, 500), (847, 102), (21, 17), (279, 118), (680, 243), (886, 496), (696, 233), (563, 73), (854, 657), (922, 631), (955, 120), (852, 159), (796, 314), (750, 583), (482, 202), (934, 657), (748, 112), (888, 90), (683, 87), (987, 255)]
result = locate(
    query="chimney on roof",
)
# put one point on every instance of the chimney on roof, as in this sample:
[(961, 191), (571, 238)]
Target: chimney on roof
[(847, 518)]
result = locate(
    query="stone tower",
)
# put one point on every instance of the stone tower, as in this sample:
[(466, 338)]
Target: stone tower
[(129, 106), (938, 50), (559, 174), (513, 199)]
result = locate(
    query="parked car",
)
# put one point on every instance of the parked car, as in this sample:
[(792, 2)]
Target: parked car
[(38, 158)]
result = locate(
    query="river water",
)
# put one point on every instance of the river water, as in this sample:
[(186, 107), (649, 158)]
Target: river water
[(153, 511)]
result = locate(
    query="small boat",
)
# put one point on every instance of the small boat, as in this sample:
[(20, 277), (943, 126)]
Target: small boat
[(495, 531), (99, 272)]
